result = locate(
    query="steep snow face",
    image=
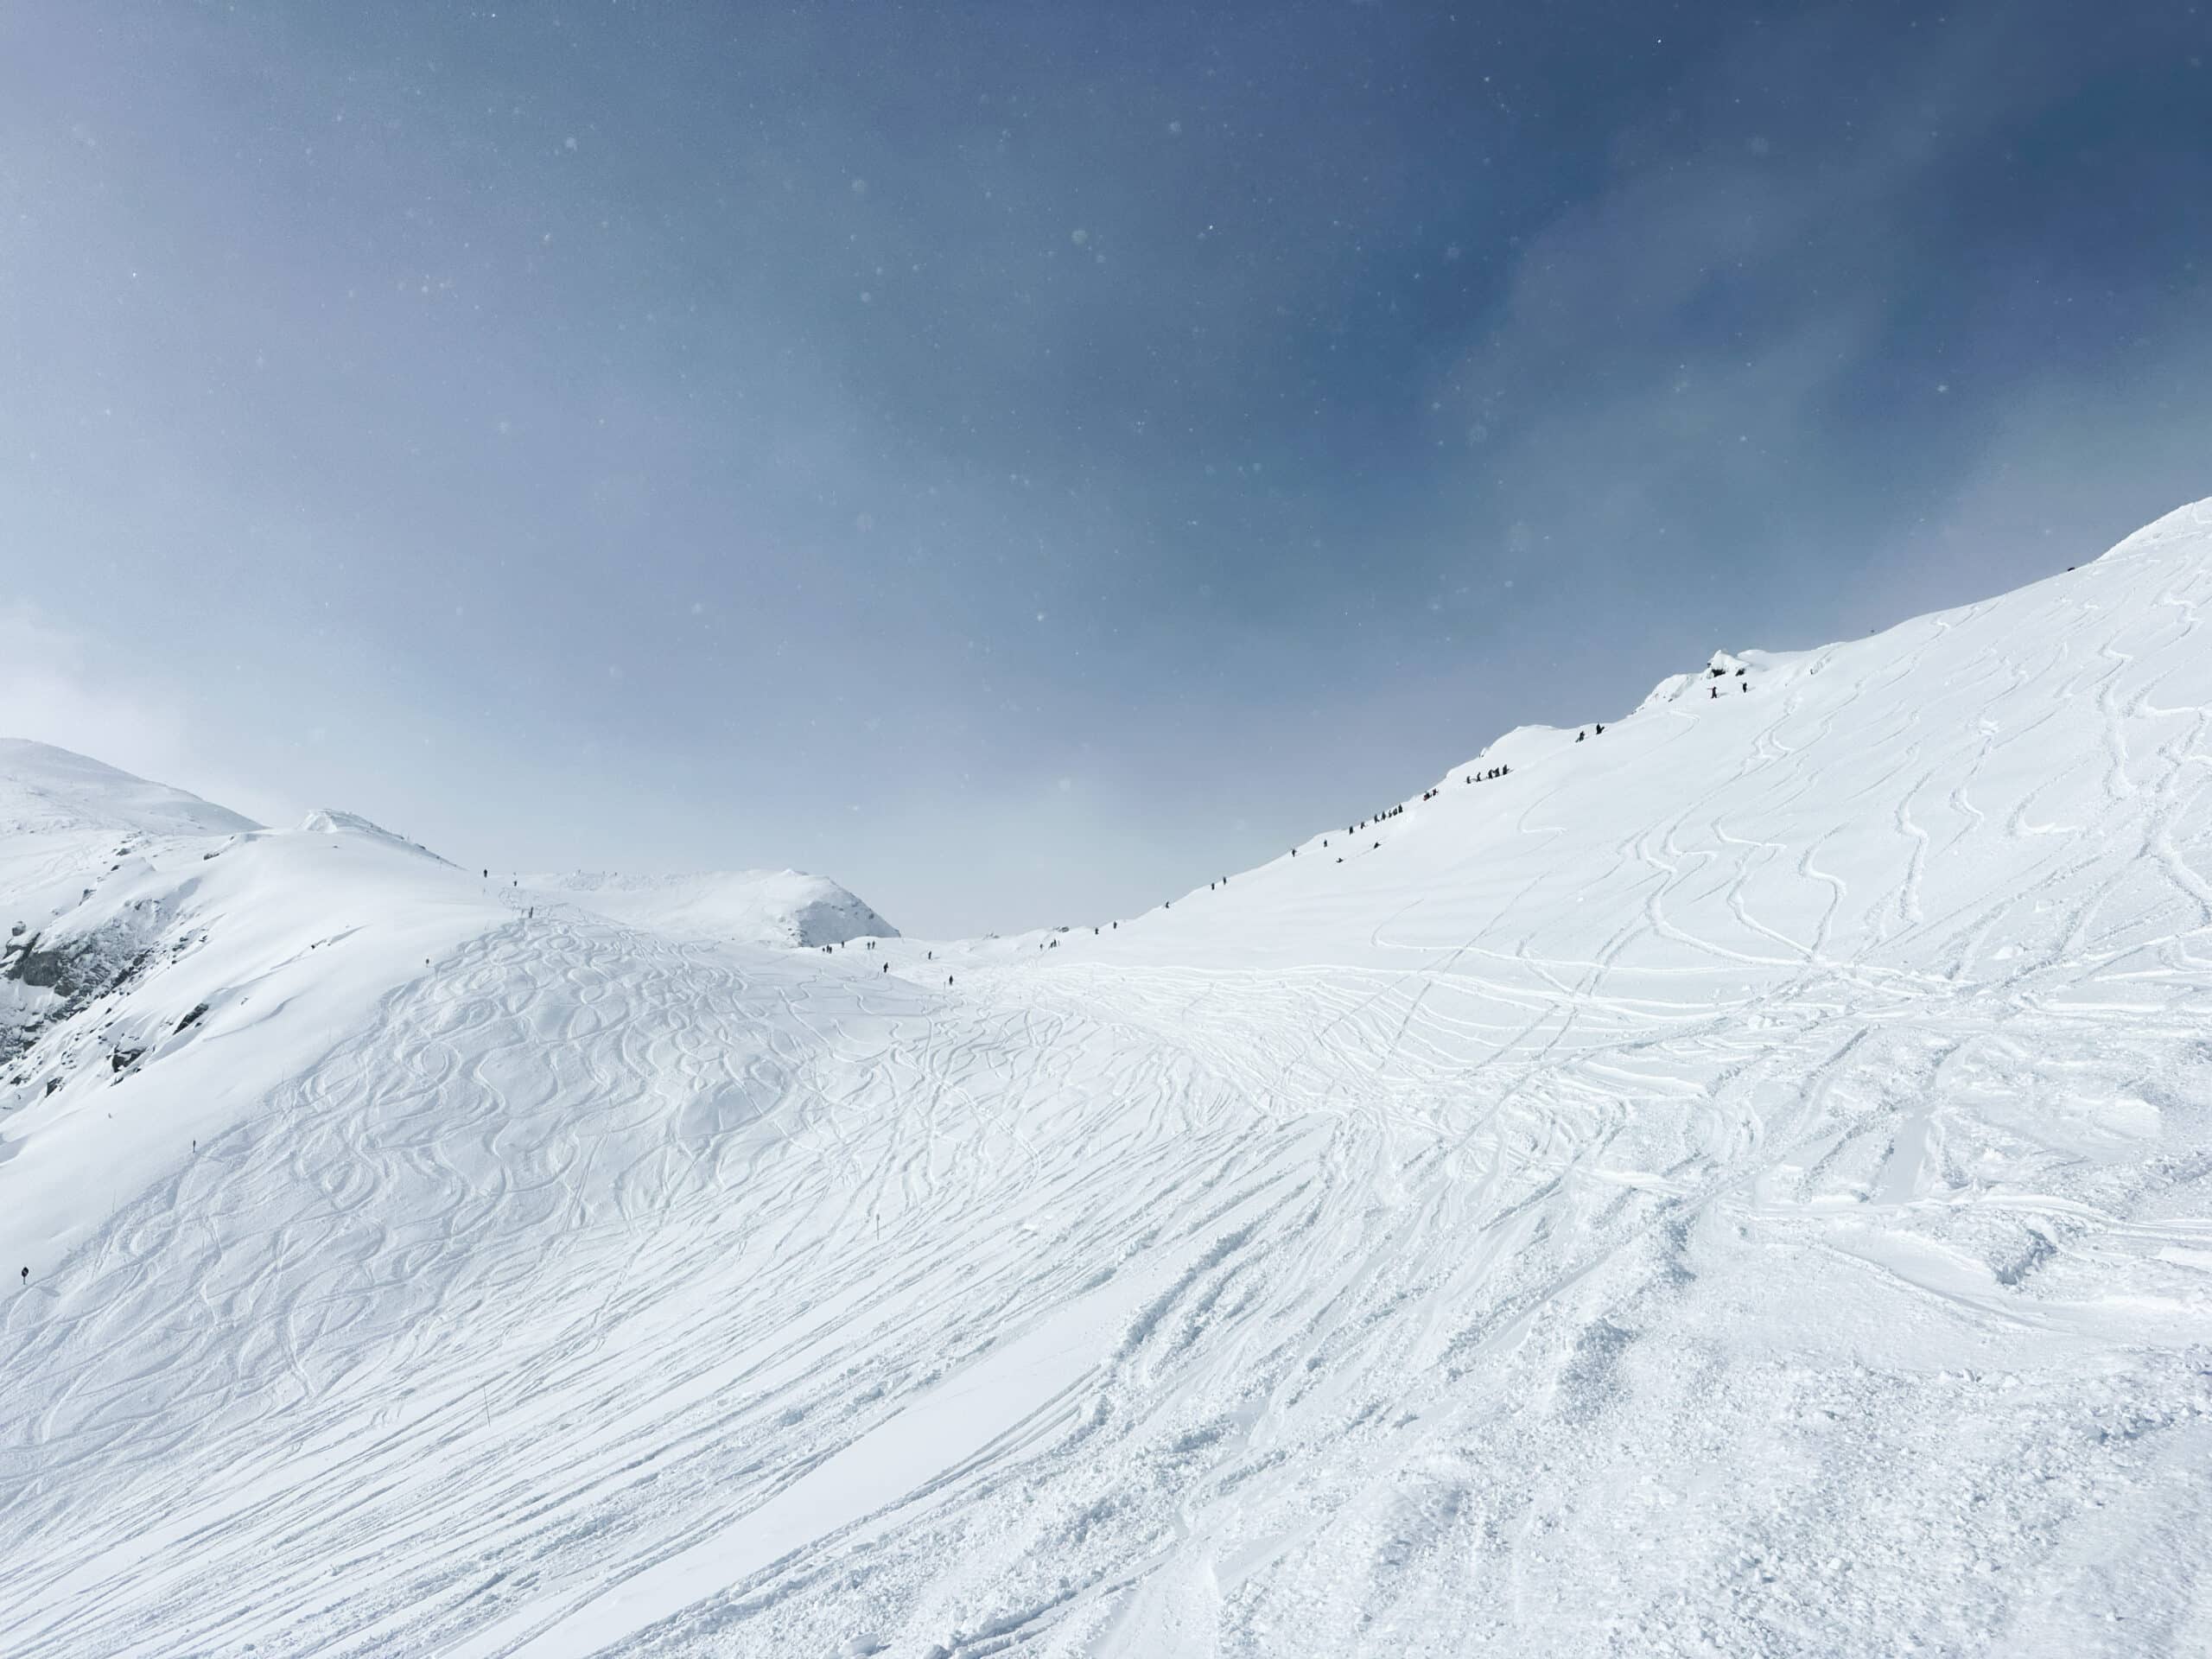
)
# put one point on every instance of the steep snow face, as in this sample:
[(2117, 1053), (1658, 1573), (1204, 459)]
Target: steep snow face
[(785, 907), (44, 790), (1741, 1182)]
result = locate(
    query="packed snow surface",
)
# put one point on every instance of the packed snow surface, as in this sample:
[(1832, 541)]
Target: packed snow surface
[(1739, 1183)]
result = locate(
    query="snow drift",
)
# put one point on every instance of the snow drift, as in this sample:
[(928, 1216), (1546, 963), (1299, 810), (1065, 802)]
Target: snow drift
[(1735, 1183)]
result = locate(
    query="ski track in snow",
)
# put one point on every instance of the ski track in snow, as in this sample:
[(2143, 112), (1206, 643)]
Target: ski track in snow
[(1746, 1194)]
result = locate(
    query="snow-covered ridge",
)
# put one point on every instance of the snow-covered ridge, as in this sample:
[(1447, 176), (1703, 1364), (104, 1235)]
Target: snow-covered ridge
[(2183, 531), (44, 791), (329, 821), (787, 907)]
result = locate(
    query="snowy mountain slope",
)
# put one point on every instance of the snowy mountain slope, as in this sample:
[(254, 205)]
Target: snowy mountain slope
[(748, 907), (156, 985), (44, 791), (1738, 1183)]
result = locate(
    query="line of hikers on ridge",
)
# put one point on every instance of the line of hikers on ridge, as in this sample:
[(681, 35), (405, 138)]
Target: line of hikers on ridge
[(1597, 729)]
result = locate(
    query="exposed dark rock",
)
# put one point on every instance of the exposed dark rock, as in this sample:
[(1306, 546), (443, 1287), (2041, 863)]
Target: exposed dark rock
[(76, 971)]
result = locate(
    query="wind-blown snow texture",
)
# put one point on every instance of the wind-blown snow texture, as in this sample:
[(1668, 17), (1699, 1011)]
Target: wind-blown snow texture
[(1736, 1183)]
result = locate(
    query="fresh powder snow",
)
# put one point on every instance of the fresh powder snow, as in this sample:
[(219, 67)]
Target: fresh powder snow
[(1738, 1182)]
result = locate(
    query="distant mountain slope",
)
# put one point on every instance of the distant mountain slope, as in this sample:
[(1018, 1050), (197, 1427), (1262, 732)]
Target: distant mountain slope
[(747, 906), (43, 789)]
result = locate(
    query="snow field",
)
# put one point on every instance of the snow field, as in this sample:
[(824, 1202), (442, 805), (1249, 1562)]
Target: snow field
[(1735, 1184)]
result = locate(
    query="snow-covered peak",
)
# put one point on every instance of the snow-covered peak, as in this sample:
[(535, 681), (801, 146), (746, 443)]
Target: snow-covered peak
[(45, 790), (747, 906), (330, 821)]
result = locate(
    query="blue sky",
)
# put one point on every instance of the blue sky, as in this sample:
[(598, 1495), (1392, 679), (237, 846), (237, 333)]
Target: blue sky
[(1026, 460)]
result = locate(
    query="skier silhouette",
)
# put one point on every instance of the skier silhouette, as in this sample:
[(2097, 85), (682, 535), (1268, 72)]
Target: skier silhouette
[(26, 1275)]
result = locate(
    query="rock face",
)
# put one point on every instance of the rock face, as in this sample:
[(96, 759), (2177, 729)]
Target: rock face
[(787, 907), (80, 921), (43, 983)]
